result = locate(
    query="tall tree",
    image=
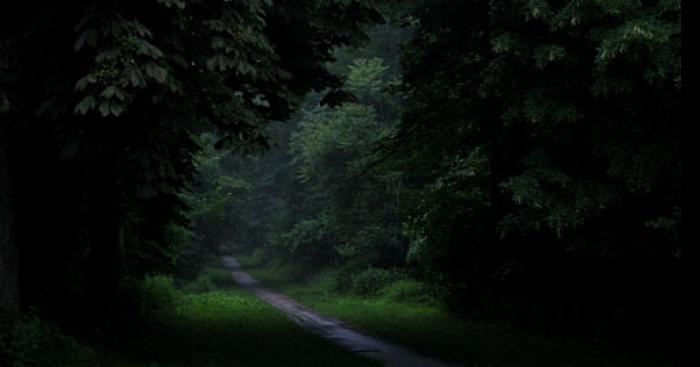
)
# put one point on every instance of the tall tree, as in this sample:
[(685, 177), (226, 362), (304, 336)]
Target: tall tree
[(105, 101), (9, 295), (559, 125)]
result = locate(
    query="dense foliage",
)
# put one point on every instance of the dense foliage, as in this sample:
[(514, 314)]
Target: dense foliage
[(518, 159), (100, 106), (558, 172), (524, 156)]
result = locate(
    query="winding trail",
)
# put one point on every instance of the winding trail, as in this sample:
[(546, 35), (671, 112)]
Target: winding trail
[(389, 354)]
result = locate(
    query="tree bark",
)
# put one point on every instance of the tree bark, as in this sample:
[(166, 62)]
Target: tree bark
[(106, 243), (9, 280)]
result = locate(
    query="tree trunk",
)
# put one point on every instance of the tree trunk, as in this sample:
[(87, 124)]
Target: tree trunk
[(9, 287), (106, 243)]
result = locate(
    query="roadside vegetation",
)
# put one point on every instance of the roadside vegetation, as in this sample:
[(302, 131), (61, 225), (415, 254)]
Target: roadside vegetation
[(207, 322), (212, 323), (406, 312)]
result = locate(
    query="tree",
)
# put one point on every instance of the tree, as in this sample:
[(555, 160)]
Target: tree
[(336, 151), (9, 293), (559, 126), (106, 100), (320, 196)]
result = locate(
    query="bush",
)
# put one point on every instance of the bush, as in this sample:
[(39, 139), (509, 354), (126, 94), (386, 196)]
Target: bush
[(147, 304), (409, 291), (202, 284), (261, 256), (211, 280), (159, 297), (372, 280), (28, 341), (325, 281), (220, 277), (342, 279)]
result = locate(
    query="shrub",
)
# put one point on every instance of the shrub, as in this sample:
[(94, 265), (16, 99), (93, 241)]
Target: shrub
[(210, 280), (260, 257), (325, 281), (372, 280), (147, 304), (28, 341), (219, 277), (159, 296), (202, 284), (409, 291), (342, 279)]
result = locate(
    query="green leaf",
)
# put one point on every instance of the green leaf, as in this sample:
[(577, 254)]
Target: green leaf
[(180, 4), (219, 63), (109, 92), (104, 108), (85, 105), (108, 54), (89, 37), (84, 81), (135, 77), (116, 108), (156, 72), (4, 103)]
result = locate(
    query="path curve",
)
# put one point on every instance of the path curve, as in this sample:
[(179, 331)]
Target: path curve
[(389, 354)]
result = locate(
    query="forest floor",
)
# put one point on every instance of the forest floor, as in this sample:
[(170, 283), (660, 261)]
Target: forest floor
[(388, 354), (429, 329), (230, 327)]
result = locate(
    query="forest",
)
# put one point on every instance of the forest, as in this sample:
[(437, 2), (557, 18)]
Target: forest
[(340, 183)]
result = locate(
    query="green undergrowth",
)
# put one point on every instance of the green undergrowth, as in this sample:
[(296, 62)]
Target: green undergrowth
[(227, 327), (213, 278), (29, 341), (406, 313)]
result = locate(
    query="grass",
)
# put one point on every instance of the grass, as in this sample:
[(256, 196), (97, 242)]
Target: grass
[(431, 330), (230, 327)]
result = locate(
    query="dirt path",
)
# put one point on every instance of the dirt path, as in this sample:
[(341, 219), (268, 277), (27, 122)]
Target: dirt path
[(387, 353)]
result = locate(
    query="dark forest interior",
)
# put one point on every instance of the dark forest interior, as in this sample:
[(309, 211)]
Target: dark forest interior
[(483, 183)]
